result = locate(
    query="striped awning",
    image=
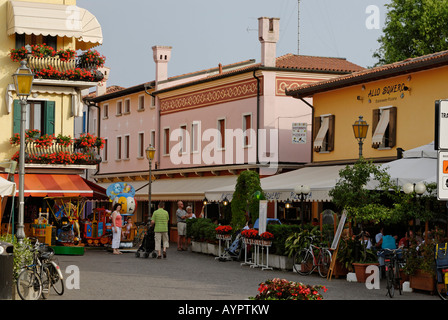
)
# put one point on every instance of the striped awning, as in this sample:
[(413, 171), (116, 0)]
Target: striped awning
[(57, 185), (54, 20)]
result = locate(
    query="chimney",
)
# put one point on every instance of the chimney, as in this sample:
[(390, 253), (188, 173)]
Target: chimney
[(268, 34), (102, 86), (161, 55)]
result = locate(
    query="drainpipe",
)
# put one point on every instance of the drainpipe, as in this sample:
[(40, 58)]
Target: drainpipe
[(312, 125), (258, 109)]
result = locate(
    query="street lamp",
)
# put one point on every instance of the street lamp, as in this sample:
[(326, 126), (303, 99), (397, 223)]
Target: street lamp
[(302, 191), (360, 128), (23, 83), (150, 151), (225, 202), (419, 189)]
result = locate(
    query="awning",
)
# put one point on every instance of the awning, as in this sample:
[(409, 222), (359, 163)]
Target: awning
[(7, 188), (55, 185), (173, 189), (54, 20), (380, 130), (321, 179)]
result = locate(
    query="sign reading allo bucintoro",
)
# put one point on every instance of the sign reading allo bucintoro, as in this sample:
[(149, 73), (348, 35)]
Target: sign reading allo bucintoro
[(387, 90)]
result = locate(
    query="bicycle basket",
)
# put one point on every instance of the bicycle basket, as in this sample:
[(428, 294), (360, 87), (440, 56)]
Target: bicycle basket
[(441, 255)]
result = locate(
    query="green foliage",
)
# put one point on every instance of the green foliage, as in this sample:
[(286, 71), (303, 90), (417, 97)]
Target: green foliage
[(281, 232), (365, 205), (420, 257), (351, 251), (246, 198), (201, 229), (301, 239), (413, 28), (22, 252)]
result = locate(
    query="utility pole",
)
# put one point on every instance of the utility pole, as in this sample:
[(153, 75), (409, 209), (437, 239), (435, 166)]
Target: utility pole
[(298, 27)]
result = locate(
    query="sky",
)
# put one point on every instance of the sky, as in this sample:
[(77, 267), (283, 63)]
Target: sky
[(204, 33)]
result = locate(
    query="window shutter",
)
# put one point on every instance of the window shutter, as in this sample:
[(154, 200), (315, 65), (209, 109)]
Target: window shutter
[(392, 127), (316, 127), (49, 117), (17, 115), (375, 120), (330, 141)]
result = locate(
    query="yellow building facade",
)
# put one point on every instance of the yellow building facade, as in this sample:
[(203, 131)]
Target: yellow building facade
[(397, 101)]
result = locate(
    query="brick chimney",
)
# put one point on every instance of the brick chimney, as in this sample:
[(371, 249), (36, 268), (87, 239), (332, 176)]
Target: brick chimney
[(268, 34), (161, 55)]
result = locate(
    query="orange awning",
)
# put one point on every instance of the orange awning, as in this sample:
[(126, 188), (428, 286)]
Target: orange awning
[(55, 185)]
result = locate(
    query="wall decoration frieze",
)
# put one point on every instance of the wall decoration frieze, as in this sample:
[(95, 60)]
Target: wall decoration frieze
[(282, 84), (202, 98)]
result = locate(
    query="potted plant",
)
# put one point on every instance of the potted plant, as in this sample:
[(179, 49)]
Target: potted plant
[(66, 54), (64, 141), (91, 59), (420, 265), (282, 289)]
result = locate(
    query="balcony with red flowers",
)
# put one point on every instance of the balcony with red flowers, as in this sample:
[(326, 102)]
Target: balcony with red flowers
[(59, 151)]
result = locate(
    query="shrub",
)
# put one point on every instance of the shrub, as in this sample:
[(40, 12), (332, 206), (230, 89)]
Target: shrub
[(281, 289)]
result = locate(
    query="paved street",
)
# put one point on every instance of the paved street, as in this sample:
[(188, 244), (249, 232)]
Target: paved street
[(190, 276)]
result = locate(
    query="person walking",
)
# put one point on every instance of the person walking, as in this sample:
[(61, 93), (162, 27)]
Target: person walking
[(182, 217), (117, 223), (159, 220)]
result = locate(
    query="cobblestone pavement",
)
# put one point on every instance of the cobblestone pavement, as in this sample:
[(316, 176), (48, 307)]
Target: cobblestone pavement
[(186, 275)]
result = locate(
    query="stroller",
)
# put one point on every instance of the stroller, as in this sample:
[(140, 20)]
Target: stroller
[(234, 252), (148, 245)]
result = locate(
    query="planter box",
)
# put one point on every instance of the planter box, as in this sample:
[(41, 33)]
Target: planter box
[(196, 246), (280, 262), (339, 270), (422, 281), (204, 247), (360, 271), (213, 249)]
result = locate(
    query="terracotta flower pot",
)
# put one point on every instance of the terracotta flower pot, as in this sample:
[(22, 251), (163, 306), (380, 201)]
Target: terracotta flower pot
[(360, 271)]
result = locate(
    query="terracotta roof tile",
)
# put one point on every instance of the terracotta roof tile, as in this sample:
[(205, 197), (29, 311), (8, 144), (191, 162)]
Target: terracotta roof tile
[(382, 72), (313, 63)]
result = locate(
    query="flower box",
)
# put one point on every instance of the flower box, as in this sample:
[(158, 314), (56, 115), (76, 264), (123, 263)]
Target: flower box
[(204, 247), (224, 237), (422, 281), (213, 249), (196, 246)]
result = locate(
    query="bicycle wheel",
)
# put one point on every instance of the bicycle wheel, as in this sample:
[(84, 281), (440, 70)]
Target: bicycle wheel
[(55, 279), (324, 263), (397, 277), (45, 280), (390, 281), (441, 283), (29, 285), (303, 262)]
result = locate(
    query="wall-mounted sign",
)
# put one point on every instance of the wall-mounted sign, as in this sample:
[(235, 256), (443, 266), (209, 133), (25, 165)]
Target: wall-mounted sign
[(299, 132)]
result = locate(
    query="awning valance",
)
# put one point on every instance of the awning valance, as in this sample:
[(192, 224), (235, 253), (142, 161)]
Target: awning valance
[(56, 185), (54, 20), (320, 179), (173, 189)]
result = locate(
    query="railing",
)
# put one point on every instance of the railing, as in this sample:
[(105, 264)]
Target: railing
[(38, 64)]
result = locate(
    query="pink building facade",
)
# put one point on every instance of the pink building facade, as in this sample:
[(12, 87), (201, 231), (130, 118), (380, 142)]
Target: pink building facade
[(210, 125)]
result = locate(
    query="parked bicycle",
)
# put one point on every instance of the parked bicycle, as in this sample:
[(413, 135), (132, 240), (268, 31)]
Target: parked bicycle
[(36, 279), (392, 261), (306, 261)]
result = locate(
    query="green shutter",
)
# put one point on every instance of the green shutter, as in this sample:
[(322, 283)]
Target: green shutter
[(49, 117), (17, 115)]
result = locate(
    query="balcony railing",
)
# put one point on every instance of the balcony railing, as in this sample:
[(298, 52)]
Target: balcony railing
[(47, 63), (48, 149)]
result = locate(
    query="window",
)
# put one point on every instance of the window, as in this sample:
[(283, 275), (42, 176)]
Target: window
[(384, 127), (39, 116), (324, 133), (105, 111), (247, 125), (141, 103), (119, 108), (166, 141), (31, 39), (127, 106), (127, 142), (153, 101), (105, 150), (152, 139), (222, 133), (141, 144), (118, 156), (195, 136)]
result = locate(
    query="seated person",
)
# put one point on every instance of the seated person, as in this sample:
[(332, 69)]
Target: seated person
[(128, 228)]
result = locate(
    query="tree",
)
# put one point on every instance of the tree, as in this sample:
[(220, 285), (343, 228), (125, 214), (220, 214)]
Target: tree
[(246, 198), (413, 28)]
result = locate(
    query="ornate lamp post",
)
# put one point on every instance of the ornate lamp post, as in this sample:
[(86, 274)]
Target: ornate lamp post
[(302, 191), (360, 128), (23, 82), (150, 151), (418, 189)]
